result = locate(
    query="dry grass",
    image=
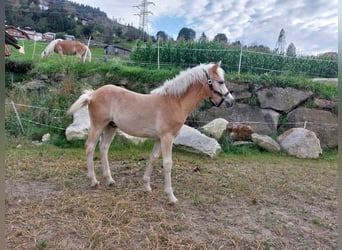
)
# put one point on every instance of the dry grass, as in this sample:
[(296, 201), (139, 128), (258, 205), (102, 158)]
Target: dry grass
[(232, 202)]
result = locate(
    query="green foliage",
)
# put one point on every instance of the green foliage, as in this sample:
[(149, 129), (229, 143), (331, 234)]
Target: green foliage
[(183, 53), (42, 244), (228, 146), (18, 66)]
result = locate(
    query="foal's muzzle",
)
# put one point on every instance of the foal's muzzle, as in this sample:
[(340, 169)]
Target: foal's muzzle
[(226, 98), (229, 100)]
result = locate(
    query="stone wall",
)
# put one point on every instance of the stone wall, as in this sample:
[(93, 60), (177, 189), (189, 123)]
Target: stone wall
[(278, 109)]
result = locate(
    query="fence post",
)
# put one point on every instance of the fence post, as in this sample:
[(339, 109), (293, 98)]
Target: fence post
[(240, 60), (18, 118), (158, 55), (34, 48)]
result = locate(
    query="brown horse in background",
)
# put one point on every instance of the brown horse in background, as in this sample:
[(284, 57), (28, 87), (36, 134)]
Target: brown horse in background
[(158, 116), (67, 47)]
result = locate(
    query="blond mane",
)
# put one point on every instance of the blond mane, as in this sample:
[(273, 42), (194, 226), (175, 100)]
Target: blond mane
[(178, 85)]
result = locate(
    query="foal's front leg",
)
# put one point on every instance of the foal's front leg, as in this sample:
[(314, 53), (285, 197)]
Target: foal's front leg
[(166, 146), (148, 171)]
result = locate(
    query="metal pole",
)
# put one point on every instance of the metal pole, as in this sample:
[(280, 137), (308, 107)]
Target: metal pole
[(240, 60), (158, 55)]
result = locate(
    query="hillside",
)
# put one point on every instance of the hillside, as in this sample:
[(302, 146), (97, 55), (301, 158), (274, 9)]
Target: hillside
[(66, 17)]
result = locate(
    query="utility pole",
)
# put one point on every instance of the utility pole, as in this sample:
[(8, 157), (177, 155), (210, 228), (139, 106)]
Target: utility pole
[(143, 16)]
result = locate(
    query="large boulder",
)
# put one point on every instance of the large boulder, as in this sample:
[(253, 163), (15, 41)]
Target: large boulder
[(301, 143), (194, 141), (34, 85), (323, 123), (262, 121), (122, 136), (78, 130), (215, 128), (266, 142), (282, 99), (240, 90)]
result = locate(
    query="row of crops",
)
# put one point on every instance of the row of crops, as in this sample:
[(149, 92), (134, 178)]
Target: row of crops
[(188, 54)]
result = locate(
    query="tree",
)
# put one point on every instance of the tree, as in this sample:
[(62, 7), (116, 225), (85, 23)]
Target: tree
[(107, 35), (259, 48), (187, 34), (236, 44), (291, 50), (162, 36), (221, 38)]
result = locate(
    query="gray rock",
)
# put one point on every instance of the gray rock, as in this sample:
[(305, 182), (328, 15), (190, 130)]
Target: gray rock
[(92, 80), (242, 95), (240, 90), (266, 142), (282, 99), (194, 141), (215, 128), (262, 121), (301, 143), (237, 87), (326, 80), (121, 136), (324, 104), (323, 123), (34, 85)]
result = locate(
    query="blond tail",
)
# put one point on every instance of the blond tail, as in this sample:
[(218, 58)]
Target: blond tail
[(82, 101)]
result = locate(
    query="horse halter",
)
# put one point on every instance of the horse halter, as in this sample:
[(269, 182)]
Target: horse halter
[(223, 96)]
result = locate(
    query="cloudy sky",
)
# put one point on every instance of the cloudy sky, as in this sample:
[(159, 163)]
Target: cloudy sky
[(310, 24)]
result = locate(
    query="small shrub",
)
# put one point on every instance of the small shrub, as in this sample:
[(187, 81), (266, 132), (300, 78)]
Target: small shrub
[(18, 66)]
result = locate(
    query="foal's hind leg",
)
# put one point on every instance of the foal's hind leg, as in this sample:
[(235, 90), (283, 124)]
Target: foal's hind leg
[(106, 139), (148, 171), (93, 137)]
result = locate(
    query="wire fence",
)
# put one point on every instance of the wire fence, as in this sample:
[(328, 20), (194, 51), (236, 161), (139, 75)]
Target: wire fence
[(38, 121), (238, 60)]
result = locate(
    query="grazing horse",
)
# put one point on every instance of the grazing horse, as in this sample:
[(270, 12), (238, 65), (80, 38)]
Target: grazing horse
[(158, 115), (67, 47)]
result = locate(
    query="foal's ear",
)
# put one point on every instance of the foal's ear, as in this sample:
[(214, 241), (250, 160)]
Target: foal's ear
[(216, 66)]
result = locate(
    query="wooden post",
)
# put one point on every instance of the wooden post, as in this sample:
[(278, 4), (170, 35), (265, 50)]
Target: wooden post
[(18, 118)]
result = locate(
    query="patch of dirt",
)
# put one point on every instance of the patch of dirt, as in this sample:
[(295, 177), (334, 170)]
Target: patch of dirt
[(255, 202)]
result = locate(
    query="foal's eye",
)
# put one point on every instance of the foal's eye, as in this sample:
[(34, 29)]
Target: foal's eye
[(221, 82)]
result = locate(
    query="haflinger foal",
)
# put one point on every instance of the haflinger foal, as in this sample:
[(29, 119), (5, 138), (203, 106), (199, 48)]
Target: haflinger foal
[(158, 116)]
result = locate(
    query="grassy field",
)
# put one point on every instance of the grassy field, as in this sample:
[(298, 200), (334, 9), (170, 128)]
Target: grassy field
[(234, 201)]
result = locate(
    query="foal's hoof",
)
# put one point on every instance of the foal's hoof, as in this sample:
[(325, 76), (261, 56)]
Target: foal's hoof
[(95, 184), (173, 202), (109, 182), (147, 188)]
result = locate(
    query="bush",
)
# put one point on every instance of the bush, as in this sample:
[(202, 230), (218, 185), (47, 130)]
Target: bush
[(18, 66)]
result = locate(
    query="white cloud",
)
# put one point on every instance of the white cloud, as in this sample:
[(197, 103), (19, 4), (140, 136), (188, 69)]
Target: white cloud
[(310, 25)]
